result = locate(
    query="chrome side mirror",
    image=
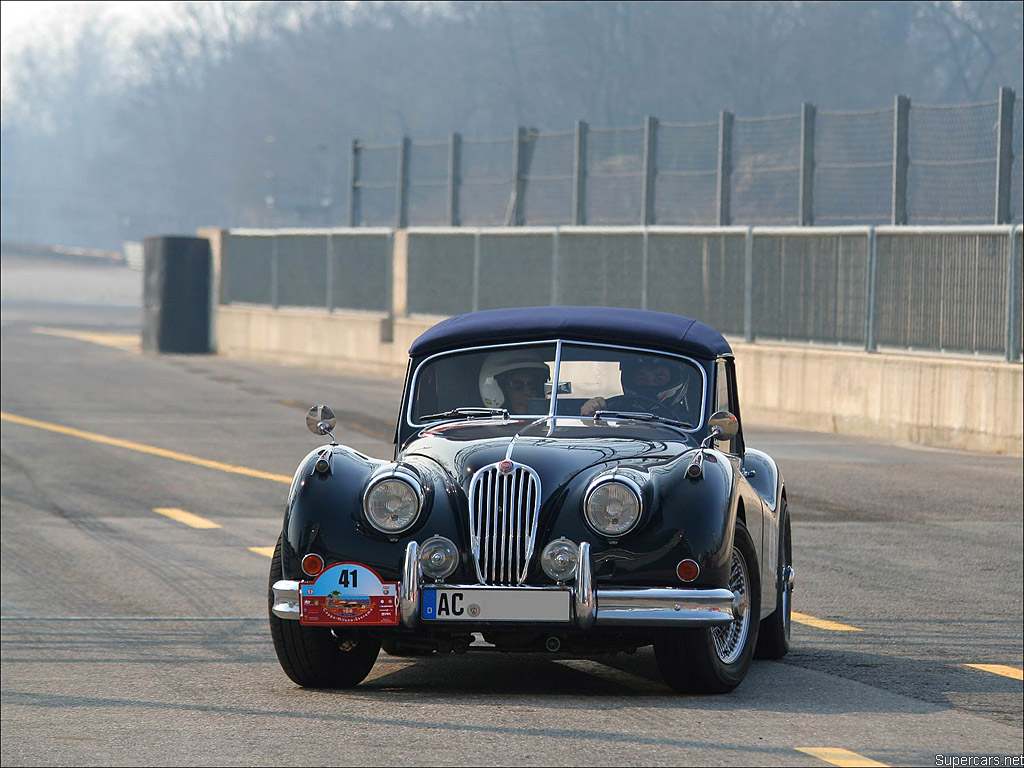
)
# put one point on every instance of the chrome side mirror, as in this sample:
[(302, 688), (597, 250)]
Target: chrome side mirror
[(727, 425), (321, 420)]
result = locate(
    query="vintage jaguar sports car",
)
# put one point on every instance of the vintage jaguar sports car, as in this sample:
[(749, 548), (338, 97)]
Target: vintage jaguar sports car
[(565, 480)]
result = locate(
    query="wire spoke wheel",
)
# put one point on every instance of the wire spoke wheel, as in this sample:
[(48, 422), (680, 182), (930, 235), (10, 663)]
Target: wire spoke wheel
[(730, 640)]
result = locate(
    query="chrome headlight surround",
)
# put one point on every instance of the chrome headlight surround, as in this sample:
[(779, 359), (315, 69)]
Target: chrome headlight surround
[(379, 484), (624, 481)]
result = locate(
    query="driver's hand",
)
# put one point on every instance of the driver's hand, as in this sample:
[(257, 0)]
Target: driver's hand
[(593, 405)]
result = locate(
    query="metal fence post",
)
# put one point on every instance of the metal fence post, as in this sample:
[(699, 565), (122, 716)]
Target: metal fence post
[(402, 185), (807, 115), (748, 286), (475, 303), (454, 177), (273, 271), (650, 170), (870, 291), (1012, 297), (555, 254), (900, 159), (725, 120), (1004, 156), (354, 209), (330, 273), (579, 174), (514, 214)]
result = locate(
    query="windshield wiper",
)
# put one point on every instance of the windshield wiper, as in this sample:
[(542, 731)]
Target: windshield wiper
[(640, 416), (468, 413)]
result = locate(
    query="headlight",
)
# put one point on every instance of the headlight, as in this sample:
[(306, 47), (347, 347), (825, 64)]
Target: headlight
[(438, 557), (612, 506), (392, 503), (559, 559)]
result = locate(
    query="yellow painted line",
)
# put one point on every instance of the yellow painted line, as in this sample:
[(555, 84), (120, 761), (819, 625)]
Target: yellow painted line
[(130, 342), (186, 518), (837, 756), (141, 448), (1014, 673), (833, 626), (265, 551)]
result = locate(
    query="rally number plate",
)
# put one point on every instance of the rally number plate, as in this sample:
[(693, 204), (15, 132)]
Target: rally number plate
[(495, 604), (347, 594)]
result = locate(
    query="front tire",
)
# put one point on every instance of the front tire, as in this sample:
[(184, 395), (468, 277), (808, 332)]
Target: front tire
[(716, 659), (774, 636), (318, 657)]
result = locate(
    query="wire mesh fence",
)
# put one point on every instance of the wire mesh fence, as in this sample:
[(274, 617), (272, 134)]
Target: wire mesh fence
[(937, 289), (825, 168), (952, 172)]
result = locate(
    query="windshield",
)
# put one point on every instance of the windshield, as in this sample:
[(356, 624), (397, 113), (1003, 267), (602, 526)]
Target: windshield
[(592, 378)]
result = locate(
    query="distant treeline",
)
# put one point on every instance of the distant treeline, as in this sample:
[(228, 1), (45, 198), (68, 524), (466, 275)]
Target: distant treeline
[(206, 119)]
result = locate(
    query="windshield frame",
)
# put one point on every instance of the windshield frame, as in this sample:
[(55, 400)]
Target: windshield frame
[(552, 416)]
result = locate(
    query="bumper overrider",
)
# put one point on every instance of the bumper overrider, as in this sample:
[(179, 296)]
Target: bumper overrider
[(622, 607)]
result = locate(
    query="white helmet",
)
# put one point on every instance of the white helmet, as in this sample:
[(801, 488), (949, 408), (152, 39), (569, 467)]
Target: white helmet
[(498, 363)]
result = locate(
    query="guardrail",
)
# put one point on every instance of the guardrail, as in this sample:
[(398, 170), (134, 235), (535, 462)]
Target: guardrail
[(93, 255), (947, 290)]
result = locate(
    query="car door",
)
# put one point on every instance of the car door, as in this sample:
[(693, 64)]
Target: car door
[(760, 523)]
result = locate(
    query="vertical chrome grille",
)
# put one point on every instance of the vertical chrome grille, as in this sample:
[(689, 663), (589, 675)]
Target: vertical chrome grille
[(503, 508)]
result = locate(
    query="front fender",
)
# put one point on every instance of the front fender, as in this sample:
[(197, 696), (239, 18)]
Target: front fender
[(324, 514), (683, 519)]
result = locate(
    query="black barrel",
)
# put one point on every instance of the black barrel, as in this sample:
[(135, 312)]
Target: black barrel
[(176, 295)]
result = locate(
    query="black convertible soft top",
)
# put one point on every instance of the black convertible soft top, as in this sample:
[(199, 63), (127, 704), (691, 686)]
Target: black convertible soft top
[(631, 327)]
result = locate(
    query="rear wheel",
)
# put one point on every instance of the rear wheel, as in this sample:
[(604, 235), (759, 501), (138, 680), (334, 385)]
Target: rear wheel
[(318, 657), (773, 639), (716, 659)]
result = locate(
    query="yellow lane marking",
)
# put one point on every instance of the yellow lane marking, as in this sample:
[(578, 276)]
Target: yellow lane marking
[(265, 551), (837, 756), (141, 448), (130, 342), (813, 621), (187, 518), (1014, 673)]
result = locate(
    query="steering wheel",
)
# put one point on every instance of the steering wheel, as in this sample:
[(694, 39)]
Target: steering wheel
[(632, 402)]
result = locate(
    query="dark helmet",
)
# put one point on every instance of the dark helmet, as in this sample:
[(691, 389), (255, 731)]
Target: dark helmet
[(671, 391)]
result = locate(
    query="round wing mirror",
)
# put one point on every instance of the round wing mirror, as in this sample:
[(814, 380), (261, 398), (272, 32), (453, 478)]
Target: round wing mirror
[(320, 420), (727, 424)]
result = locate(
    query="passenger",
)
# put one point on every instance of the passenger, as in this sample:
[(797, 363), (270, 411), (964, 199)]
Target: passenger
[(511, 378)]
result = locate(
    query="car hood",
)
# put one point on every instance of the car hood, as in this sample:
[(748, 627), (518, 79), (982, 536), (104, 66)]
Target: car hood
[(462, 448)]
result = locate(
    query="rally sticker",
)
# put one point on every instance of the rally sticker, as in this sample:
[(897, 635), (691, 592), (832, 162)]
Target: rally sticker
[(348, 593)]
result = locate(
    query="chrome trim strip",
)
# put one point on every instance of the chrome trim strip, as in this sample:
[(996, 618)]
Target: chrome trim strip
[(664, 607), (553, 410), (286, 599), (409, 587)]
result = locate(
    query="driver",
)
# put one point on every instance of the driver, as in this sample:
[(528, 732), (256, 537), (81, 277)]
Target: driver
[(509, 379), (656, 380)]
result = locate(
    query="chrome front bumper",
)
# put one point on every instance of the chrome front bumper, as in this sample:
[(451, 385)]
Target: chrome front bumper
[(642, 607)]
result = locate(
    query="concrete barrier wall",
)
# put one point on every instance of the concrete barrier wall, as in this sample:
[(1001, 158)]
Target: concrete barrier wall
[(943, 402)]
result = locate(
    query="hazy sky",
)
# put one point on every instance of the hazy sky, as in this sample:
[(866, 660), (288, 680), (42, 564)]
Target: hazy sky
[(22, 20)]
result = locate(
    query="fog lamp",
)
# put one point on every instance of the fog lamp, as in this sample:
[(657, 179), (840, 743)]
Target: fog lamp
[(559, 559), (438, 557)]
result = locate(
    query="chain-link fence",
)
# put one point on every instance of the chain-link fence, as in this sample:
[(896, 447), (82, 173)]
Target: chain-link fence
[(908, 164)]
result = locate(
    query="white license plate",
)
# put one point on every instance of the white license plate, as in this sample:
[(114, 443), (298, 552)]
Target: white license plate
[(491, 604)]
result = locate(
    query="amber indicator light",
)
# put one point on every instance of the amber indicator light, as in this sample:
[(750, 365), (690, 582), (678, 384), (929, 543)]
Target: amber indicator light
[(687, 570), (312, 564)]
